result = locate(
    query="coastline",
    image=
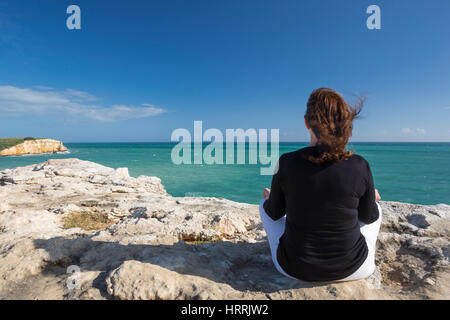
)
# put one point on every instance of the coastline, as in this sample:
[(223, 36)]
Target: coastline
[(38, 154), (33, 146), (150, 236), (428, 184)]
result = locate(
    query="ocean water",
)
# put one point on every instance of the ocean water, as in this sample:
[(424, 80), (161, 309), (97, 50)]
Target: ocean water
[(406, 172)]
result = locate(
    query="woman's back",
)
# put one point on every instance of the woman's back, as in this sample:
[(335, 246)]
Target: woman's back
[(323, 203)]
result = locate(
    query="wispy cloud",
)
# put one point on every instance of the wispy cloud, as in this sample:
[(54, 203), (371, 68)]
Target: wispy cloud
[(80, 95), (409, 131), (420, 131), (43, 87), (39, 100)]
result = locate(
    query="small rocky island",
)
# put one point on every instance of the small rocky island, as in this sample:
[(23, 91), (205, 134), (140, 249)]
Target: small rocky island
[(22, 146), (129, 239)]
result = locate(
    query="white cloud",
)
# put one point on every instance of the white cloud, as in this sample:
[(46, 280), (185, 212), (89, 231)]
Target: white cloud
[(74, 102), (44, 87), (409, 131), (80, 95), (420, 131), (122, 112)]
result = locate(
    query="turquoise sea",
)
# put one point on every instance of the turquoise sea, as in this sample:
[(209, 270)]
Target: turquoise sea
[(406, 172)]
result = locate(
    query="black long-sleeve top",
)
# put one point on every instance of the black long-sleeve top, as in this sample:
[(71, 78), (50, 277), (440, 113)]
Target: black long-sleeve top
[(322, 203)]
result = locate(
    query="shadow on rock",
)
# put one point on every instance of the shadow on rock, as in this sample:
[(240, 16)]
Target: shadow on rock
[(242, 266)]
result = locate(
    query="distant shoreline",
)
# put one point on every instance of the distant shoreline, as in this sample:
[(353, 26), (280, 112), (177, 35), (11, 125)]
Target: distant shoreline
[(29, 146), (283, 142)]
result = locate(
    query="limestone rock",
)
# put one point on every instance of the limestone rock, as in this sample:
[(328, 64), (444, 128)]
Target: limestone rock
[(163, 247), (36, 146), (145, 281)]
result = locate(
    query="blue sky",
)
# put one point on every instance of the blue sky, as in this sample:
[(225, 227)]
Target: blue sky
[(137, 70)]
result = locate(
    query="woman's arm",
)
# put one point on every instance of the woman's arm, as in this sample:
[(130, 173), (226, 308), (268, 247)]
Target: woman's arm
[(275, 205), (377, 195), (368, 209), (266, 193)]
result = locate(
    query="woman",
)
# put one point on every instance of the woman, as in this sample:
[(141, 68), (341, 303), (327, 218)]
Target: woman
[(320, 216)]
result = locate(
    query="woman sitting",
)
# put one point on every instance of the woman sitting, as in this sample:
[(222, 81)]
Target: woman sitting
[(320, 215)]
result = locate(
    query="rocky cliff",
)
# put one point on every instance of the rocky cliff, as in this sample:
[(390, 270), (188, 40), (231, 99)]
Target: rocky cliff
[(129, 239), (36, 146)]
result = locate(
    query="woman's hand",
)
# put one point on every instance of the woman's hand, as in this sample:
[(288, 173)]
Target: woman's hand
[(266, 193), (377, 195)]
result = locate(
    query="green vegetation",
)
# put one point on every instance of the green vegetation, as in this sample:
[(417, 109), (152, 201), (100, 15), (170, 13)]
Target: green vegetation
[(197, 239), (86, 220), (6, 143)]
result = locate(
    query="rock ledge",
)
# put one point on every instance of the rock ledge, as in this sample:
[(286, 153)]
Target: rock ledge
[(164, 247)]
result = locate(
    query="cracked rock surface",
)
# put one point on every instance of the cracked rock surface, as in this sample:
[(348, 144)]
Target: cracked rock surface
[(163, 247)]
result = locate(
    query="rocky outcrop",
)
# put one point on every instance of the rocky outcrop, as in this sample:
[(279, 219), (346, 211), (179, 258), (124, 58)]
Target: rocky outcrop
[(164, 247), (36, 146)]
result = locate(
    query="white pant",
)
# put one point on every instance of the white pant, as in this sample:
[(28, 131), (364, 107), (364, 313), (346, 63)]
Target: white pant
[(275, 229)]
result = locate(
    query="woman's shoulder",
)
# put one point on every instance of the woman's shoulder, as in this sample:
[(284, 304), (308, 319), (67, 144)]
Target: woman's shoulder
[(301, 155), (358, 159), (295, 157)]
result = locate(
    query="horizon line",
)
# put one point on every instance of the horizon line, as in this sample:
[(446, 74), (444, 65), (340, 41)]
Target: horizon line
[(303, 142)]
